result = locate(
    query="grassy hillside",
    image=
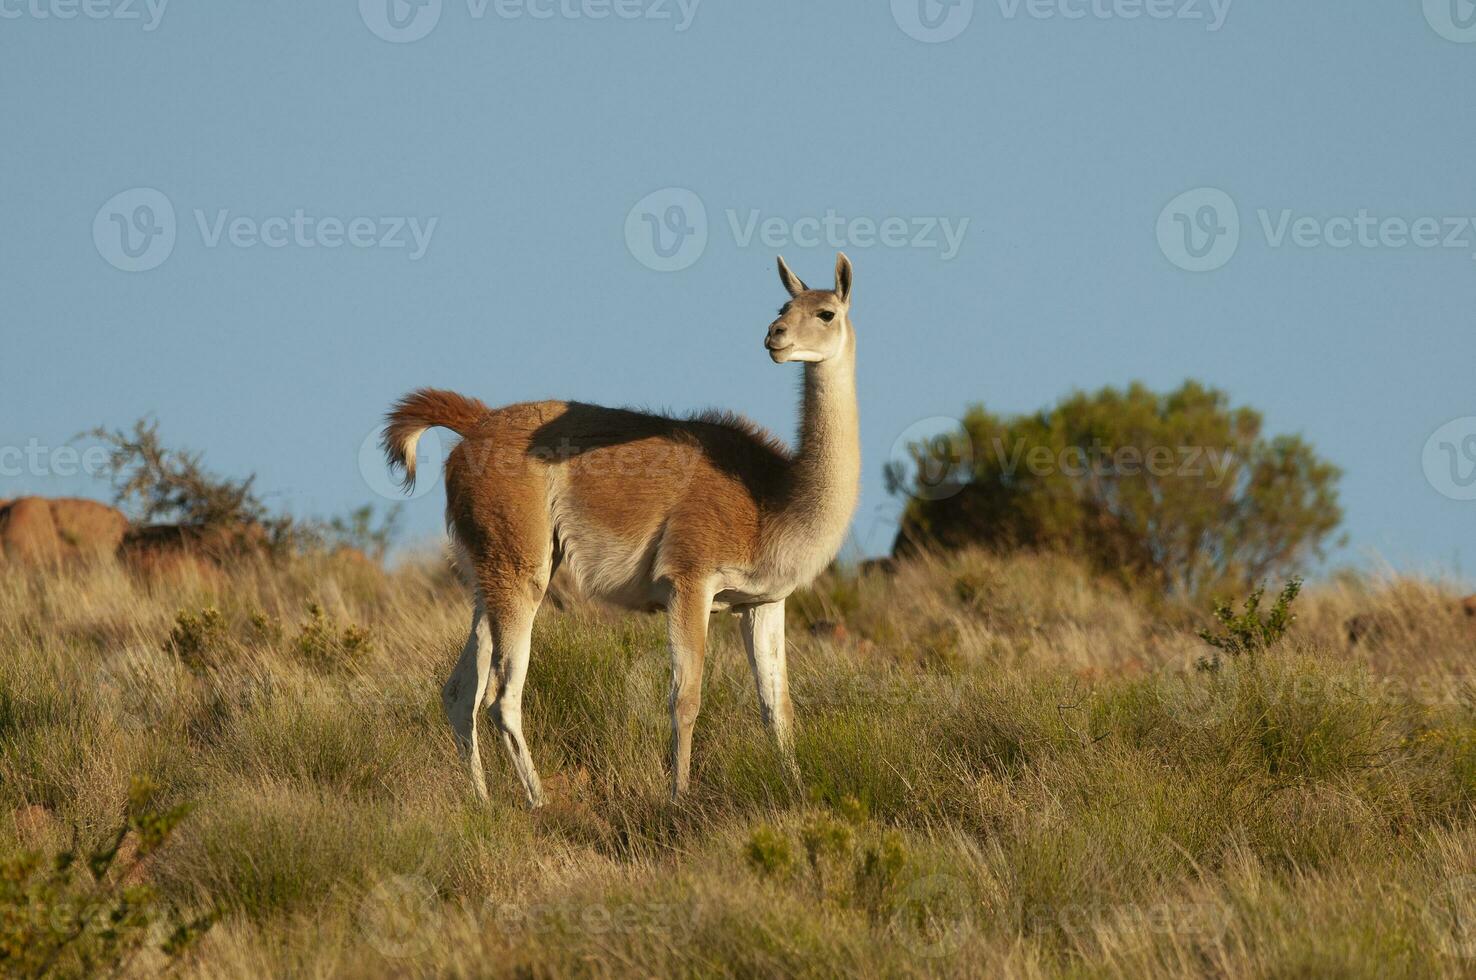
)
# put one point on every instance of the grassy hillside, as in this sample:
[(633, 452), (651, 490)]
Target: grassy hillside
[(1007, 769)]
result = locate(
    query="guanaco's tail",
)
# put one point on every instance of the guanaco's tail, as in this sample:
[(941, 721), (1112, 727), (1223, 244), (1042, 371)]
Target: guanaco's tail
[(417, 412)]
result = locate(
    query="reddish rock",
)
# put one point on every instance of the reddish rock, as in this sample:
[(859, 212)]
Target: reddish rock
[(28, 532), (88, 527), (39, 530)]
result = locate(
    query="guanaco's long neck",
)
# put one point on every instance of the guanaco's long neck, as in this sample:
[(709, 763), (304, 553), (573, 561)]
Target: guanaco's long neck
[(826, 474), (828, 465)]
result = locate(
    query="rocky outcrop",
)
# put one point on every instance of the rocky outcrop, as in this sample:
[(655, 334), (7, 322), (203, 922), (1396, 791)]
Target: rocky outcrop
[(46, 531)]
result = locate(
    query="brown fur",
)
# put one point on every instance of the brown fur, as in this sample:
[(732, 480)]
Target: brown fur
[(421, 410), (647, 511), (630, 472)]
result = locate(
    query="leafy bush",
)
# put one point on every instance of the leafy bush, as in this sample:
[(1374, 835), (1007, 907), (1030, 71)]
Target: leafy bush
[(1178, 490), (263, 628), (162, 485), (196, 638), (55, 921), (165, 485), (769, 852), (325, 644), (851, 863), (1248, 631)]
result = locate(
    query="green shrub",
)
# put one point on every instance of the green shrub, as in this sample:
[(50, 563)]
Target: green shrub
[(851, 865), (197, 638), (769, 852), (324, 644), (1249, 632), (84, 915), (263, 628), (1177, 491), (160, 484)]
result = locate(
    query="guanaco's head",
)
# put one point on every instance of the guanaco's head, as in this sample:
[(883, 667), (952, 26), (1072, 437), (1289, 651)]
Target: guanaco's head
[(815, 325)]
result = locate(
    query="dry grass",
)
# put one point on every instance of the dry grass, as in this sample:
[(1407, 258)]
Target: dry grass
[(1009, 769)]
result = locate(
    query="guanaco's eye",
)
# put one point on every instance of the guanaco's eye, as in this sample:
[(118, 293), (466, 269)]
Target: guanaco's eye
[(826, 315)]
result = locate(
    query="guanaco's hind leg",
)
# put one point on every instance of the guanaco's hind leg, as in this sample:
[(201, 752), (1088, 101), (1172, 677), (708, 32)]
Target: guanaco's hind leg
[(464, 690), (497, 507), (512, 638)]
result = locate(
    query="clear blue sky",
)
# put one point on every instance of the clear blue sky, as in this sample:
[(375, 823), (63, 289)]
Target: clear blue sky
[(530, 139)]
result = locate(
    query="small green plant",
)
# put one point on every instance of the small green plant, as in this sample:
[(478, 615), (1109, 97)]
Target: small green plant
[(197, 638), (828, 843), (851, 865), (835, 597), (852, 810), (939, 642), (880, 873), (769, 852), (324, 644), (56, 920), (263, 628), (1249, 632), (825, 837)]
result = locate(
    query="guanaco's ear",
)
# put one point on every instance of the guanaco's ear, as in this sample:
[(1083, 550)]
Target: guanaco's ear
[(843, 277), (791, 281)]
